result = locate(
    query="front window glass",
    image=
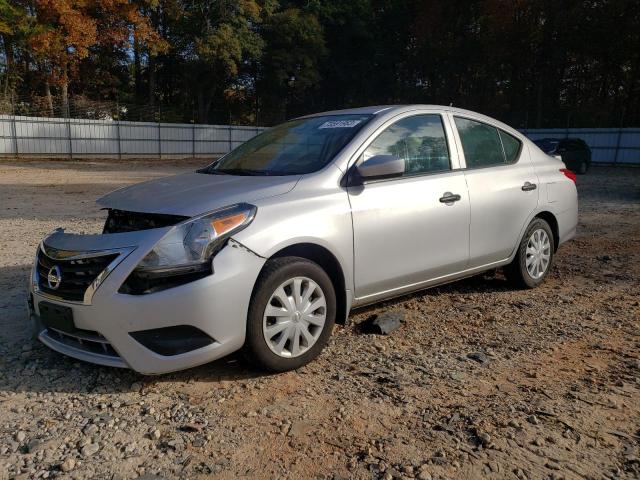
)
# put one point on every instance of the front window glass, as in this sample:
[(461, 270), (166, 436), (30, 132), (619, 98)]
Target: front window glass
[(419, 140), (296, 147)]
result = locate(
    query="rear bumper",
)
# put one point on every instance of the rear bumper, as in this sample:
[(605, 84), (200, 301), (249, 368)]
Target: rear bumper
[(567, 223), (217, 305)]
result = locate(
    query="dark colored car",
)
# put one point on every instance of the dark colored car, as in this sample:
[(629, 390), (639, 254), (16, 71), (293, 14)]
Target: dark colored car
[(575, 153)]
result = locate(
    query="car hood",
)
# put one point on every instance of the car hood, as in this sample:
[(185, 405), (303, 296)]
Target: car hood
[(191, 194)]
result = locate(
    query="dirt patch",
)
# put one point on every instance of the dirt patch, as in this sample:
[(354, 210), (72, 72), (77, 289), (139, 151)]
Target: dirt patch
[(480, 381)]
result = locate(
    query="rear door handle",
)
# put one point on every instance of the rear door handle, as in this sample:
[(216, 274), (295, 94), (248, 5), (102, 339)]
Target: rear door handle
[(528, 186), (449, 198)]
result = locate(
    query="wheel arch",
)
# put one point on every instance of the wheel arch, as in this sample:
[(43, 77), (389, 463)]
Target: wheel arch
[(329, 263), (551, 219)]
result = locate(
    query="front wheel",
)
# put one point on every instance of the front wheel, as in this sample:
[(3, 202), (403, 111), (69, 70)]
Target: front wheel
[(534, 257), (291, 315)]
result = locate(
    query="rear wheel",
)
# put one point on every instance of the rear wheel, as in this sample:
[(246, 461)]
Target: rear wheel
[(291, 316), (534, 257)]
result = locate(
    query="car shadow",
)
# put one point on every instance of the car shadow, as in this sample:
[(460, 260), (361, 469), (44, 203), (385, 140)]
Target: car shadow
[(28, 366), (486, 282)]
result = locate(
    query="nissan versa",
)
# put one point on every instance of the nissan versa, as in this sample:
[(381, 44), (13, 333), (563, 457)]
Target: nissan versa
[(268, 247)]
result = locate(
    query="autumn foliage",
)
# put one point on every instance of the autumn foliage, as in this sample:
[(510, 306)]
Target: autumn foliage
[(528, 62)]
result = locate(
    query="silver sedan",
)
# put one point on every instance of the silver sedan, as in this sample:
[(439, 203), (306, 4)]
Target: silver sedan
[(267, 248)]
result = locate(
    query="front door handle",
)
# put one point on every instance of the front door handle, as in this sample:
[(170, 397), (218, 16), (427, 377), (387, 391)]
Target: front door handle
[(528, 186), (449, 198)]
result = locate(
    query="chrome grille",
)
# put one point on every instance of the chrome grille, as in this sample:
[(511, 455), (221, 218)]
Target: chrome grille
[(77, 274)]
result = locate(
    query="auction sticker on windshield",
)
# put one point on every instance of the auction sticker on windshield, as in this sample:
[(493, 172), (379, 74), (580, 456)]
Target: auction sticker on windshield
[(340, 124)]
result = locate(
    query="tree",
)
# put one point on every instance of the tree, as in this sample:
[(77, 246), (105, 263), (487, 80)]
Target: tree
[(218, 39), (66, 30), (289, 68), (14, 28), (528, 62)]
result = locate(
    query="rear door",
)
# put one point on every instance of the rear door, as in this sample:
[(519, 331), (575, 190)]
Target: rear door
[(503, 189)]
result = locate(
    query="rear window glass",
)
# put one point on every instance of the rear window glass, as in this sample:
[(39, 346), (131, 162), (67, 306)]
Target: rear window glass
[(480, 142), (485, 145)]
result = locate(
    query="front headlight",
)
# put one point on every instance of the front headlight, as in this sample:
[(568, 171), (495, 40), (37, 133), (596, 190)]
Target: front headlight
[(189, 246)]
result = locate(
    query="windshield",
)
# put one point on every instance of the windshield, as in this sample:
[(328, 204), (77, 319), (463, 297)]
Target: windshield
[(296, 147)]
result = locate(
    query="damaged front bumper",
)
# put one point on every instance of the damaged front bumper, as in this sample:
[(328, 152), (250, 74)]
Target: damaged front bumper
[(173, 329)]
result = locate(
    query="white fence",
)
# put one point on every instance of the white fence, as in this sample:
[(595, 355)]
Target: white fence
[(24, 137), (28, 137), (608, 145)]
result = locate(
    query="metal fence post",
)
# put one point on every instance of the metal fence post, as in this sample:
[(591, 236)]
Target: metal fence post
[(159, 141), (68, 122), (193, 141), (118, 139), (14, 136), (14, 133), (230, 139), (618, 141)]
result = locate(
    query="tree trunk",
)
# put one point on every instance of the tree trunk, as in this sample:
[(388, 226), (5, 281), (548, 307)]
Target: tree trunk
[(152, 79), (201, 113), (64, 91), (8, 51), (47, 93), (205, 100), (137, 66)]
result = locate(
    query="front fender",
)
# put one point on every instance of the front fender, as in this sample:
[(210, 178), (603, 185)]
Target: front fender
[(323, 220)]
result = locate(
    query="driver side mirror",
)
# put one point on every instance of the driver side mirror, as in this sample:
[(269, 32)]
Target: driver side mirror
[(381, 166)]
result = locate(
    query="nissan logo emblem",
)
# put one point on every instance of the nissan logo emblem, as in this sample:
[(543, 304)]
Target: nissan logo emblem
[(54, 278)]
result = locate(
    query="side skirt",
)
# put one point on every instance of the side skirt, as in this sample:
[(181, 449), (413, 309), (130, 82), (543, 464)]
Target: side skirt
[(434, 282)]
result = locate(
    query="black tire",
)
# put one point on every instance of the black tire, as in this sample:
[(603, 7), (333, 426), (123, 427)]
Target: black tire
[(516, 272), (274, 273)]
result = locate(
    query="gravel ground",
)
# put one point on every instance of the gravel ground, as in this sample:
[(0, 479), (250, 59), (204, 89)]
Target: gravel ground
[(481, 381)]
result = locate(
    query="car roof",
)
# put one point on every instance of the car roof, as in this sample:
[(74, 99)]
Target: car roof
[(376, 109), (391, 110)]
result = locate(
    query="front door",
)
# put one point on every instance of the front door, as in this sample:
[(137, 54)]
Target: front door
[(414, 227)]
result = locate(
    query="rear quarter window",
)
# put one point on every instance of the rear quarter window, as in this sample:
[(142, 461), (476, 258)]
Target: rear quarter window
[(511, 147)]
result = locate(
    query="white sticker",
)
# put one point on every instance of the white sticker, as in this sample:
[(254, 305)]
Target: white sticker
[(340, 124)]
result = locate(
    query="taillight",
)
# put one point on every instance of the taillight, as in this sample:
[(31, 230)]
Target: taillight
[(569, 174)]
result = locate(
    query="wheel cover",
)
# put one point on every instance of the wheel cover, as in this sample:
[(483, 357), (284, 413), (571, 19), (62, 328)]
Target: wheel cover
[(538, 254), (294, 317)]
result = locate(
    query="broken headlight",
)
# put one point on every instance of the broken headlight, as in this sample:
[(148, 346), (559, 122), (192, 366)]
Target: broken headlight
[(189, 246), (184, 254)]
